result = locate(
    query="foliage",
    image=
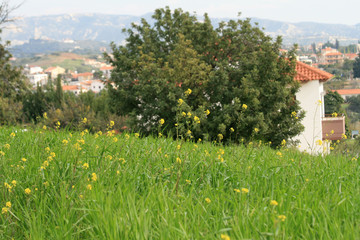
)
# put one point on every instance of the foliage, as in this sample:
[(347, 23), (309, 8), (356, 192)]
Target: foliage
[(356, 67), (72, 185), (332, 102), (235, 71), (354, 103), (10, 111)]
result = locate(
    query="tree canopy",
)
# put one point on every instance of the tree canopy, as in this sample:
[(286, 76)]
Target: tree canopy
[(225, 83), (356, 67)]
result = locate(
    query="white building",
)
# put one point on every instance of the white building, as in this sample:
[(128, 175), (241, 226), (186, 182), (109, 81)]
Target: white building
[(311, 98), (39, 78), (97, 86)]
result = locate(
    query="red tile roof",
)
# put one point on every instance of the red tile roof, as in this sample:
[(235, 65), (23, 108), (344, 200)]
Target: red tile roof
[(333, 54), (107, 68), (308, 73), (347, 91), (82, 74), (70, 88)]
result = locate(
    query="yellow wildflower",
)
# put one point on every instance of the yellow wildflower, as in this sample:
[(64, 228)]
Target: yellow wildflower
[(183, 114), (282, 217), (197, 119), (4, 210), (7, 146), (46, 184), (207, 112), (65, 142), (115, 139), (256, 130), (245, 190), (85, 166), (8, 204), (237, 190), (180, 101), (178, 147), (343, 136), (2, 153), (220, 136), (84, 120), (137, 135), (94, 177), (224, 237), (160, 135), (319, 142), (283, 142), (89, 187), (44, 127), (178, 160), (244, 106), (188, 92), (23, 159), (279, 154), (47, 149), (273, 203), (188, 181), (45, 115), (232, 130), (12, 134), (207, 200), (13, 182), (127, 136), (27, 191), (52, 154), (189, 114), (162, 121), (112, 123)]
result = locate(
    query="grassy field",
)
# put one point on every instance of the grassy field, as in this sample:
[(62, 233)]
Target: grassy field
[(58, 185)]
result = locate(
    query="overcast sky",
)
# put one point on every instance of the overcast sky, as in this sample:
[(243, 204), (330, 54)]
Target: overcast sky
[(323, 11)]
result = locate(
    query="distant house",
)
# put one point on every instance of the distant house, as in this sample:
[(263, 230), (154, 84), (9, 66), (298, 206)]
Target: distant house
[(53, 72), (35, 69), (97, 86), (331, 56), (76, 89), (82, 76), (38, 78), (107, 71), (311, 98), (351, 56), (345, 93)]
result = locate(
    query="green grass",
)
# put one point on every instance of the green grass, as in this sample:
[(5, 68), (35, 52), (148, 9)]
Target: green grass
[(142, 192)]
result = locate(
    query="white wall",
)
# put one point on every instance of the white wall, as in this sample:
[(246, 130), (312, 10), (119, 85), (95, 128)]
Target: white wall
[(309, 96)]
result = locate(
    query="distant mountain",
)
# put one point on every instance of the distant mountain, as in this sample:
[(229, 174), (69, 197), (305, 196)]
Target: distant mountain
[(107, 28)]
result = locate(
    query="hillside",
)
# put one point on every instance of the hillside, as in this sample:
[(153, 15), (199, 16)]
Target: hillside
[(106, 28)]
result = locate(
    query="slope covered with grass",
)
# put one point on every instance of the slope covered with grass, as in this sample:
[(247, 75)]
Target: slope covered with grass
[(58, 185)]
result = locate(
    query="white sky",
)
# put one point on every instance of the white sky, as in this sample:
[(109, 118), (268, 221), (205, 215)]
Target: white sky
[(322, 11)]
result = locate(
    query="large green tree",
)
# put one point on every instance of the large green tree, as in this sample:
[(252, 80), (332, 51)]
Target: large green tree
[(234, 72), (12, 82)]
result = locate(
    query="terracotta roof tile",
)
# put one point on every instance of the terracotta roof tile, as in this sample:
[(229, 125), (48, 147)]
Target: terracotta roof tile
[(107, 68), (308, 73), (347, 91)]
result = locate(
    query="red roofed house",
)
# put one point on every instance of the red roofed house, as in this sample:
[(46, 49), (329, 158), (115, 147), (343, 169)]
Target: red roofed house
[(331, 56), (311, 98), (107, 71), (82, 76), (76, 89), (344, 93), (53, 72), (351, 56)]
